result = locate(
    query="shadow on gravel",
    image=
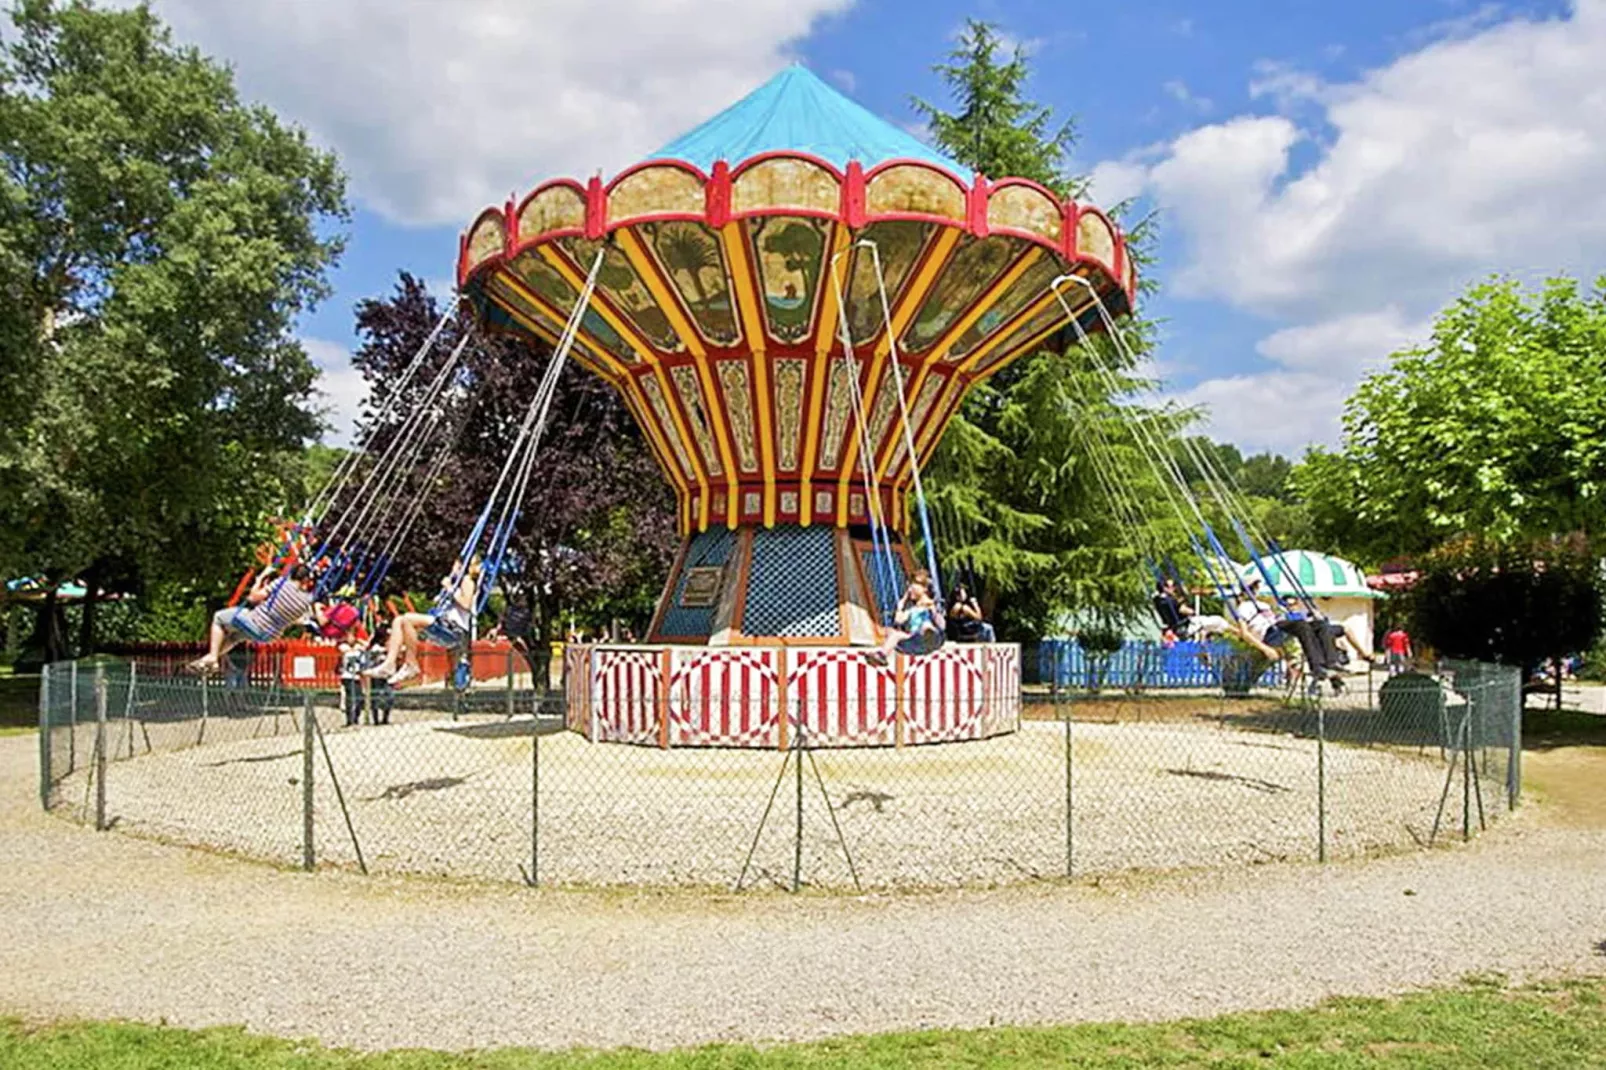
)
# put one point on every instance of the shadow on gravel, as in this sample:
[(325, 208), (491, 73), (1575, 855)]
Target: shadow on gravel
[(401, 791)]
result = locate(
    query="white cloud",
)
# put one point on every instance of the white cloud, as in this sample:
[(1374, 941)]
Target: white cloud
[(341, 387), (1345, 345), (1361, 208), (1269, 411), (438, 109), (1178, 91)]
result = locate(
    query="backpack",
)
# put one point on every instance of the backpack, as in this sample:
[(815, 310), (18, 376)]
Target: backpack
[(339, 619)]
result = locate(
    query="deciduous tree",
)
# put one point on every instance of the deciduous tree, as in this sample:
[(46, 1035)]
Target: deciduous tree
[(158, 238)]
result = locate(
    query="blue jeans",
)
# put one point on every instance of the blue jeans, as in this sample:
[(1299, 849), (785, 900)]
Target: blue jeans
[(353, 689)]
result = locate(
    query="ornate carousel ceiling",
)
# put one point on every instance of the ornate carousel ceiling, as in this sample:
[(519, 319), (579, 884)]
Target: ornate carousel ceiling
[(716, 312)]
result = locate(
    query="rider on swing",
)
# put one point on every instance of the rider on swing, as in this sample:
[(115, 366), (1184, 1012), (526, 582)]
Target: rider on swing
[(919, 623)]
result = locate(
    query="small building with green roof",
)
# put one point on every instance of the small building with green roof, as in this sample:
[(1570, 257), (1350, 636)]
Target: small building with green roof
[(1337, 587)]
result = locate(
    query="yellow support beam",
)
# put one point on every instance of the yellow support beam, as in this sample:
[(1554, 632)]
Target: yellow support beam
[(955, 331), (814, 413), (905, 311), (670, 306), (753, 327)]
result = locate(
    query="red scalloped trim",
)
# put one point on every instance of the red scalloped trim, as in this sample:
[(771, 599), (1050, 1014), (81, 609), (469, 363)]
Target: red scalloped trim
[(853, 210)]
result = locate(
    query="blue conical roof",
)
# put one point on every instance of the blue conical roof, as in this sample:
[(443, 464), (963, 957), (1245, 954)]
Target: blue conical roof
[(798, 112)]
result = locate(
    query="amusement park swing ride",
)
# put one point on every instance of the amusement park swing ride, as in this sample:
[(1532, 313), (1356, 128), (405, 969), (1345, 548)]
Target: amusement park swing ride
[(792, 300)]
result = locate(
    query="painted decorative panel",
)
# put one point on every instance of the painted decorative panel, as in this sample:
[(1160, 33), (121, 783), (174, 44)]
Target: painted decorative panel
[(739, 409), (1093, 238), (486, 241), (1031, 286), (785, 183), (557, 208), (917, 415), (655, 190), (908, 188), (789, 375), (789, 252), (838, 411), (666, 423), (624, 289), (511, 297), (899, 243), (1025, 208), (691, 395), (555, 290), (882, 410), (1045, 320), (693, 261), (973, 269)]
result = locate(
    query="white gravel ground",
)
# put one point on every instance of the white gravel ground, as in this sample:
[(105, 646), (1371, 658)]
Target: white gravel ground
[(453, 799), (106, 925)]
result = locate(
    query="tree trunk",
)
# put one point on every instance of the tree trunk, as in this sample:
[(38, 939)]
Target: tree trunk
[(50, 630), (86, 621)]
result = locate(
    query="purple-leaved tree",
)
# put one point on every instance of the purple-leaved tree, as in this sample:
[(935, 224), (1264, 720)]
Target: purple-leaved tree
[(597, 530)]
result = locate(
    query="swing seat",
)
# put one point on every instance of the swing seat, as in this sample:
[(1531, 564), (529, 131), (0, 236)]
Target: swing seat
[(927, 640), (446, 633)]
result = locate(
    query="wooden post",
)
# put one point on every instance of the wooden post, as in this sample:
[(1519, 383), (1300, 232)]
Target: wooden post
[(664, 662)]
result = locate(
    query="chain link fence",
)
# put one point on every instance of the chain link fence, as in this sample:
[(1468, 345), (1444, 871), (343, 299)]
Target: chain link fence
[(491, 784)]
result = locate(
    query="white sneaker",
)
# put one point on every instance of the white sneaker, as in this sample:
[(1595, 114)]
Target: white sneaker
[(406, 673)]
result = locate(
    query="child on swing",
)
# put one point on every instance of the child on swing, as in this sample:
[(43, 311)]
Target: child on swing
[(918, 619)]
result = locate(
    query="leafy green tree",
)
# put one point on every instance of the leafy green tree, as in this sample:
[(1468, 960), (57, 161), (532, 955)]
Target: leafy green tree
[(158, 239), (1042, 487), (1496, 427)]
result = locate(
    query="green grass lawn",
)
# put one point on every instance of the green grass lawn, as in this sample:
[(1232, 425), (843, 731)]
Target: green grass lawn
[(1482, 1023)]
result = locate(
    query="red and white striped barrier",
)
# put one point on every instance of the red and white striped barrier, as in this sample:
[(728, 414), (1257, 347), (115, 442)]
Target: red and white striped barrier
[(764, 696)]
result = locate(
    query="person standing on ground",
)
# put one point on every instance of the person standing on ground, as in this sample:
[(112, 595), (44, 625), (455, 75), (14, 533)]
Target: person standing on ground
[(1397, 645), (353, 655)]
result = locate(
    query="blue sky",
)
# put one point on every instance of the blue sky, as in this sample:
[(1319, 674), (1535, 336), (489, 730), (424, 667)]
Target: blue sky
[(1327, 177)]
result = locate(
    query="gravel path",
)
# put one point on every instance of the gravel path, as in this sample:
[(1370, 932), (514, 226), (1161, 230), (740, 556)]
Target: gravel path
[(103, 925)]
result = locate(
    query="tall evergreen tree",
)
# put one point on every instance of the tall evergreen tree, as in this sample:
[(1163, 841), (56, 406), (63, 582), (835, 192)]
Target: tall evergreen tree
[(1041, 489)]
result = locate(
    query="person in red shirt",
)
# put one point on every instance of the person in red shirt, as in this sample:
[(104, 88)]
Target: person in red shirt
[(1397, 645)]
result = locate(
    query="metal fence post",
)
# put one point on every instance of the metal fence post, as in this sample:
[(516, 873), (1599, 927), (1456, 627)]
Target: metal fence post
[(44, 737), (307, 741), (535, 801), (510, 683), (797, 842), (1466, 763), (1321, 782), (1070, 810), (72, 717), (100, 748), (206, 706), (1514, 752)]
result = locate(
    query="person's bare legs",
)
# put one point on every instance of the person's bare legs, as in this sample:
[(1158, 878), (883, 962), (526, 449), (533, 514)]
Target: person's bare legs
[(401, 628), (1241, 630), (219, 641)]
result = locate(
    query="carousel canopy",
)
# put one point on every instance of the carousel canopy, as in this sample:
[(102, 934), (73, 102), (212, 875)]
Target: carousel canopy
[(733, 264), (796, 112)]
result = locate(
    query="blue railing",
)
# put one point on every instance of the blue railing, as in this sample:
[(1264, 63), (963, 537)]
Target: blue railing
[(1062, 663)]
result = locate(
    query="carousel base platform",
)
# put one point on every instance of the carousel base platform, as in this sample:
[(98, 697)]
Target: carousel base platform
[(775, 697)]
